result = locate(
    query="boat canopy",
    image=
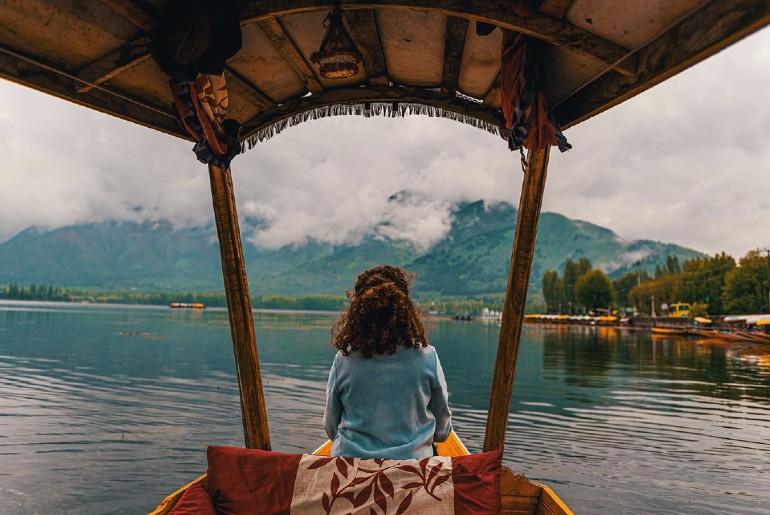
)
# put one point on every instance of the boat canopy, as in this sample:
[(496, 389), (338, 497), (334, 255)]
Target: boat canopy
[(433, 57), (748, 319)]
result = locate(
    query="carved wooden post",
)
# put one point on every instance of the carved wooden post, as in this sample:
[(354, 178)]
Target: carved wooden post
[(515, 297), (255, 429)]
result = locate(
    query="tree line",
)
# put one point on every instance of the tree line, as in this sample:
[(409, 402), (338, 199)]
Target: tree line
[(431, 303), (43, 292), (713, 285)]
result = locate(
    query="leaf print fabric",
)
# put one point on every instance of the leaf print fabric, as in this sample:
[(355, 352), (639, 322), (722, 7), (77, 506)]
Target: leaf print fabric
[(248, 481), (351, 485)]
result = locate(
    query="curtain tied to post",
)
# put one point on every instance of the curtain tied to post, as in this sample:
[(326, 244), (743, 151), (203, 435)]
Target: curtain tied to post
[(191, 45), (531, 122), (527, 116)]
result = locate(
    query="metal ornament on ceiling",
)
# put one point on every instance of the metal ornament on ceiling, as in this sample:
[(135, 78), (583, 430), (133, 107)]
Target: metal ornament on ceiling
[(338, 57)]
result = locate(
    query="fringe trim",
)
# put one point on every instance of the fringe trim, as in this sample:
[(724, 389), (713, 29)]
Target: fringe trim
[(388, 109)]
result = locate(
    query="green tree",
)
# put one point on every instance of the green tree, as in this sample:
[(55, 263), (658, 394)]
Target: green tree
[(594, 289), (572, 272), (745, 289), (663, 289), (623, 285), (703, 279), (553, 291), (672, 265)]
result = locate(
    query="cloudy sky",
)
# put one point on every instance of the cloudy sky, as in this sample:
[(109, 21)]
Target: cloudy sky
[(686, 162)]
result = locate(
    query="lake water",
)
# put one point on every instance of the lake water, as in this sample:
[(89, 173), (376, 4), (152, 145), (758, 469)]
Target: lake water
[(107, 409)]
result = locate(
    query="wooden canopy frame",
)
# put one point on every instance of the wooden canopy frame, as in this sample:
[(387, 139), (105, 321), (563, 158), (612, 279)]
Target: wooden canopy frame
[(619, 72), (598, 62)]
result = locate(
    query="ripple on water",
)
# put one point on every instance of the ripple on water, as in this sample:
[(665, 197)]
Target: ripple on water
[(615, 425)]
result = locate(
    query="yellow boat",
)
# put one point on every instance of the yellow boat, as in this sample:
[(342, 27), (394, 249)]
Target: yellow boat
[(669, 331), (396, 57), (187, 305)]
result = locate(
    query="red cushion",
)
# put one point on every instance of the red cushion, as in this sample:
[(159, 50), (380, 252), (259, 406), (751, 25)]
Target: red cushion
[(245, 481), (194, 501), (251, 481)]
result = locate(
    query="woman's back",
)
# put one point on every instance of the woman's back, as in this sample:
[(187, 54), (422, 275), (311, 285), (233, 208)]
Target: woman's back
[(386, 396), (388, 406)]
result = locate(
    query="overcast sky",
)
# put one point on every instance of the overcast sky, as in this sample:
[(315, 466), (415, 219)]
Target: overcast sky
[(686, 162)]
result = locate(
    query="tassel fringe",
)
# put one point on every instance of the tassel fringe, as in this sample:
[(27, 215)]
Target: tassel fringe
[(389, 109)]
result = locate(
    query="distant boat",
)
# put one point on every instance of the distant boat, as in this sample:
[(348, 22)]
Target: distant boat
[(755, 336), (190, 305), (669, 331)]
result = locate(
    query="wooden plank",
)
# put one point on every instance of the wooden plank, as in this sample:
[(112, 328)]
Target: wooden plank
[(515, 505), (325, 449), (492, 98), (48, 78), (255, 428), (517, 494), (111, 64), (452, 447), (363, 28), (254, 95), (550, 504), (715, 26), (512, 484), (141, 13), (515, 297), (354, 96), (555, 8), (291, 54), (557, 32), (454, 44)]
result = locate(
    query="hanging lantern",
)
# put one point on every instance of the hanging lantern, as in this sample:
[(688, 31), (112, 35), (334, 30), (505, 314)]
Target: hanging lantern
[(338, 57)]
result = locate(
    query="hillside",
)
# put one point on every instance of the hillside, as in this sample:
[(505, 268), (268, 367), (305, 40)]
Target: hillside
[(471, 259)]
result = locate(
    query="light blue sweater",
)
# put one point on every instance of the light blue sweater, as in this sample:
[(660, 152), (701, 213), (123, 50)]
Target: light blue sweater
[(391, 406)]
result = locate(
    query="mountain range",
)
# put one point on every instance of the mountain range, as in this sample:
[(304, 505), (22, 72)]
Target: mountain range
[(472, 259)]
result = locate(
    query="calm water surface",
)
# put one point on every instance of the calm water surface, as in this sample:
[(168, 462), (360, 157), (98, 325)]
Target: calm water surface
[(107, 409)]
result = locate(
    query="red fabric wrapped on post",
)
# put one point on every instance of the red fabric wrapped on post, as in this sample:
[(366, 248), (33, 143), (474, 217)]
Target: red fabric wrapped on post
[(193, 40), (531, 123)]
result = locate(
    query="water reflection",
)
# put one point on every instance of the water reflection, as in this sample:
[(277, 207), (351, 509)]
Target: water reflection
[(101, 402)]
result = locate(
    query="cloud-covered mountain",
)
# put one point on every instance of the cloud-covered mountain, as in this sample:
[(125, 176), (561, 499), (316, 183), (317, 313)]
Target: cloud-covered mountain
[(471, 258)]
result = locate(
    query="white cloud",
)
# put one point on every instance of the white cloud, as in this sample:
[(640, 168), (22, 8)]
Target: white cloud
[(685, 162), (330, 180)]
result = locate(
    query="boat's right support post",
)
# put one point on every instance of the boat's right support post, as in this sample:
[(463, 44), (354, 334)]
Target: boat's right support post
[(515, 297), (255, 429)]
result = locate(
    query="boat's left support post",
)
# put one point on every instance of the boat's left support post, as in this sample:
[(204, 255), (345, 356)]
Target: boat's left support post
[(516, 297), (255, 429)]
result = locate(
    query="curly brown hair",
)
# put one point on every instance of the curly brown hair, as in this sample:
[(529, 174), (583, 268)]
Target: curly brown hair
[(381, 315)]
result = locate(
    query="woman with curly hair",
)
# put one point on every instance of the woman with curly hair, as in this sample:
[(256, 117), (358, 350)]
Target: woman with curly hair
[(386, 396)]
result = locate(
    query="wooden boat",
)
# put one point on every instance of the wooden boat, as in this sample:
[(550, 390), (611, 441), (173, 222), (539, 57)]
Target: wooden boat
[(754, 336), (724, 336), (669, 331), (429, 57), (187, 305)]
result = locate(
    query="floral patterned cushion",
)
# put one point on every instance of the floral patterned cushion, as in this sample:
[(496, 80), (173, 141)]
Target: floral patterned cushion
[(252, 481)]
